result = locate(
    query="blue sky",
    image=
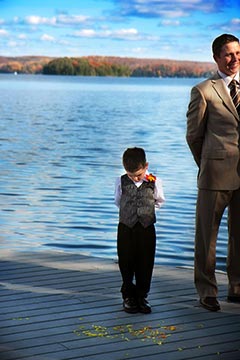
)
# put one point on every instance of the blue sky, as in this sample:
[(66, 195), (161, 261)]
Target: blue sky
[(167, 29)]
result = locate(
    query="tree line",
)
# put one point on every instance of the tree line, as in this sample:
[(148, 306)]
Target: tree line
[(95, 67), (106, 66), (84, 67)]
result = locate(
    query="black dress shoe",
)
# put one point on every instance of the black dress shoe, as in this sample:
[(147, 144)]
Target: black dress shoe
[(234, 299), (210, 303), (144, 306), (130, 305)]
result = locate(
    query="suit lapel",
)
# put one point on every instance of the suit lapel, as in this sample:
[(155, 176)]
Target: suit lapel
[(222, 92)]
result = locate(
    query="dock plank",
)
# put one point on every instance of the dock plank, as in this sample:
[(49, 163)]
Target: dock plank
[(58, 306)]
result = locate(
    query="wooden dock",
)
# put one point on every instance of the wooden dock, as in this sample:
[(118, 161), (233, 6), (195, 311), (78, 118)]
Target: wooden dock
[(63, 306)]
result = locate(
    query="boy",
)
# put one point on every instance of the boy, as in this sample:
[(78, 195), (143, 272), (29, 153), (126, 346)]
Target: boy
[(137, 193)]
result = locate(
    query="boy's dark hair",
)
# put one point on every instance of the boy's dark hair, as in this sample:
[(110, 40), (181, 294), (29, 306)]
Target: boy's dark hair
[(134, 159), (220, 41)]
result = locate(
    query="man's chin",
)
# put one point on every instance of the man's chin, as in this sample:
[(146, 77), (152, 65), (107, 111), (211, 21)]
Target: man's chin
[(232, 70)]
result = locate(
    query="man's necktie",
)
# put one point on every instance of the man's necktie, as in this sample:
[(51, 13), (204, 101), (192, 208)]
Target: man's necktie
[(235, 94)]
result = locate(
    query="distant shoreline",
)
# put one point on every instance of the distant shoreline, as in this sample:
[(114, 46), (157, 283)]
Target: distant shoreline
[(105, 66)]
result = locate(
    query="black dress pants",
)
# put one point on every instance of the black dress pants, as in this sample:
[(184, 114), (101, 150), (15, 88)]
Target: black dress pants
[(136, 252)]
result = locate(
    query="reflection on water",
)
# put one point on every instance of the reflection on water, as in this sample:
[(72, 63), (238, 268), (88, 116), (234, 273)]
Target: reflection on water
[(61, 144)]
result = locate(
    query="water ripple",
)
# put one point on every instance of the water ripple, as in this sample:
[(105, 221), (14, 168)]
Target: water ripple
[(62, 139)]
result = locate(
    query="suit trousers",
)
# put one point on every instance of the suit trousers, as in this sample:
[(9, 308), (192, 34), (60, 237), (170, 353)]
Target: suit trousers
[(209, 212), (136, 253)]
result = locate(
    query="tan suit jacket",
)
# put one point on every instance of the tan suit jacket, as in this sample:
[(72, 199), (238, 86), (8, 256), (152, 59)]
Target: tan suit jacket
[(212, 135)]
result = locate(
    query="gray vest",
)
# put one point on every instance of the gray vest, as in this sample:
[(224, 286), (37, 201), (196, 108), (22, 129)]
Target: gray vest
[(137, 204)]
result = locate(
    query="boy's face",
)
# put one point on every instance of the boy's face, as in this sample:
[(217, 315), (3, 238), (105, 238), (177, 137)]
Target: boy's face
[(139, 174)]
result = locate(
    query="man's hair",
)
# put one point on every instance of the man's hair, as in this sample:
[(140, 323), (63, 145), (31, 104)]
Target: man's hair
[(134, 159), (220, 41)]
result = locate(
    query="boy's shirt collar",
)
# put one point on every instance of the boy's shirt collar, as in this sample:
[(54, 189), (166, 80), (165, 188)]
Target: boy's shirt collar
[(146, 179)]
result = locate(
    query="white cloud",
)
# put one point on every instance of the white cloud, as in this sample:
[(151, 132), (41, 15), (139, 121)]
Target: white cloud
[(235, 21), (71, 19), (123, 34), (170, 22), (165, 8), (172, 13), (55, 20), (3, 32), (86, 33), (38, 20), (12, 44), (22, 36), (126, 32), (46, 37), (138, 50)]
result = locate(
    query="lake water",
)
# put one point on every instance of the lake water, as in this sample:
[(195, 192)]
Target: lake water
[(61, 142)]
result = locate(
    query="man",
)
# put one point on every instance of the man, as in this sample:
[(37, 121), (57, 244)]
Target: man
[(213, 138)]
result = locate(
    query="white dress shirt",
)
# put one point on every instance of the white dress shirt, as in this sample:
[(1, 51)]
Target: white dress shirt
[(227, 79)]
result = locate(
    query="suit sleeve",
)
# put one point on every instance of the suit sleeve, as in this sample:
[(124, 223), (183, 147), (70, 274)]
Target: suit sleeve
[(196, 123)]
